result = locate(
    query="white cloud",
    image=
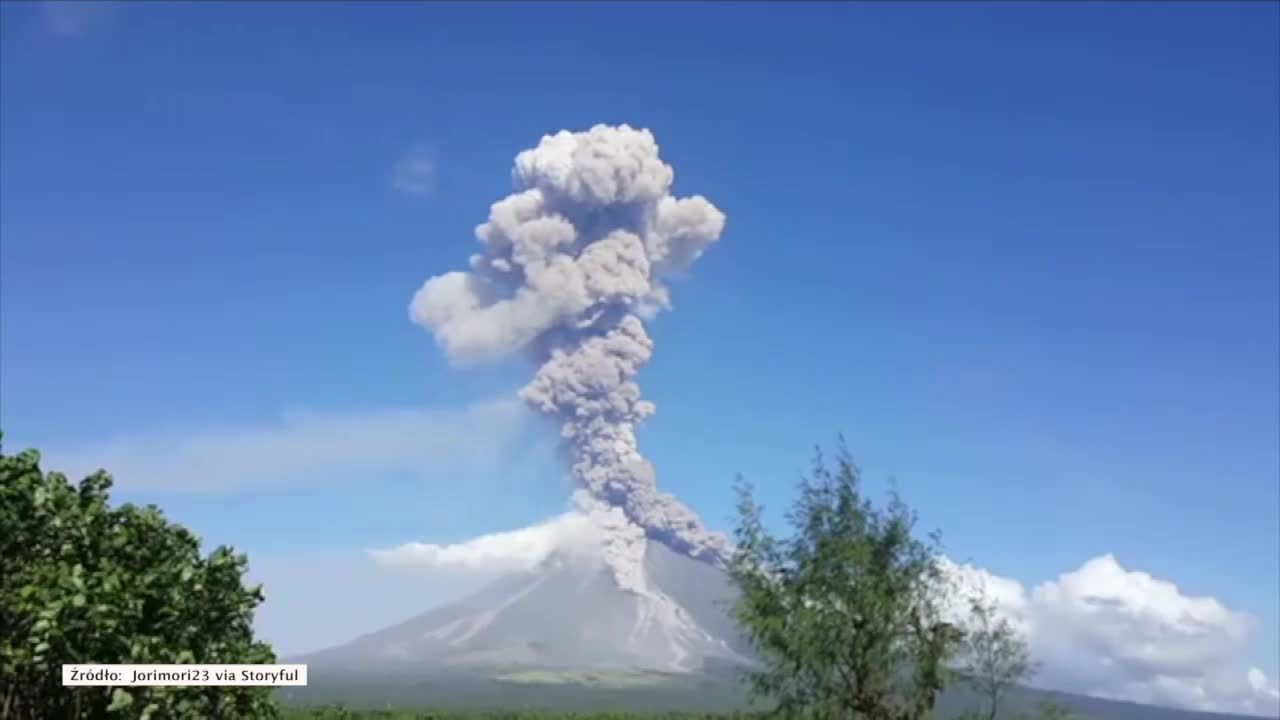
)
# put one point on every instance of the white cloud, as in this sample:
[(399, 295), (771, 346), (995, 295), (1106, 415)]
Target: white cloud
[(302, 447), (520, 549), (73, 18), (1111, 632), (1266, 691), (415, 173), (1005, 593)]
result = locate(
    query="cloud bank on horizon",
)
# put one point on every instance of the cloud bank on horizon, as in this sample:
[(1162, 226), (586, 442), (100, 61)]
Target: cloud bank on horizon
[(573, 262), (1108, 631), (1101, 629)]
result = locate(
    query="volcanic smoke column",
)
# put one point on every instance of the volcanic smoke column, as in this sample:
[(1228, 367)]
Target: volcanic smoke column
[(572, 264)]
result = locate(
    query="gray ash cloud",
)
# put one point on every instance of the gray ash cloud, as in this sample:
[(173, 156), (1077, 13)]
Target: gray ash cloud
[(573, 262)]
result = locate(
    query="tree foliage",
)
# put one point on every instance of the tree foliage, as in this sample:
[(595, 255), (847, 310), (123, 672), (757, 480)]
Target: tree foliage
[(846, 615), (81, 582), (995, 658)]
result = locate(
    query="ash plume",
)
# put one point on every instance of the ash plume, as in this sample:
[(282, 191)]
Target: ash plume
[(573, 263)]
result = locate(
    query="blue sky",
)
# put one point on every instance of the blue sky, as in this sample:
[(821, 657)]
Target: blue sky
[(1026, 257)]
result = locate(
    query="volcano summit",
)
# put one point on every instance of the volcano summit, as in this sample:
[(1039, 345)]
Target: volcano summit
[(569, 613)]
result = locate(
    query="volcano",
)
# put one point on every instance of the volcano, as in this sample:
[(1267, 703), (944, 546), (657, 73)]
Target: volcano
[(569, 613), (566, 635)]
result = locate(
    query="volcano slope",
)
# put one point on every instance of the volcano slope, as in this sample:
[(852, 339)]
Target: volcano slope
[(567, 615)]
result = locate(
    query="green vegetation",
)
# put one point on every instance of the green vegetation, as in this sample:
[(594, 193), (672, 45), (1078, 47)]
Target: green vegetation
[(847, 614), (338, 712), (81, 582), (995, 660)]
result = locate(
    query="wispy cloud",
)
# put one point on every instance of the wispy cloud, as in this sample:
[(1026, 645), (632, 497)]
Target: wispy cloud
[(415, 173), (74, 18), (302, 447), (521, 549)]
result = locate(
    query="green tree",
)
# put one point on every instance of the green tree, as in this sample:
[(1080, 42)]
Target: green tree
[(995, 658), (81, 582), (846, 615)]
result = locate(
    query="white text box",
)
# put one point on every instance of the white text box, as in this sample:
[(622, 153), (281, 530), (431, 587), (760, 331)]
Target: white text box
[(183, 675)]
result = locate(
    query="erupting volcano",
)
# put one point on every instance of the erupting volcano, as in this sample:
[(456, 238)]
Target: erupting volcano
[(573, 263)]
